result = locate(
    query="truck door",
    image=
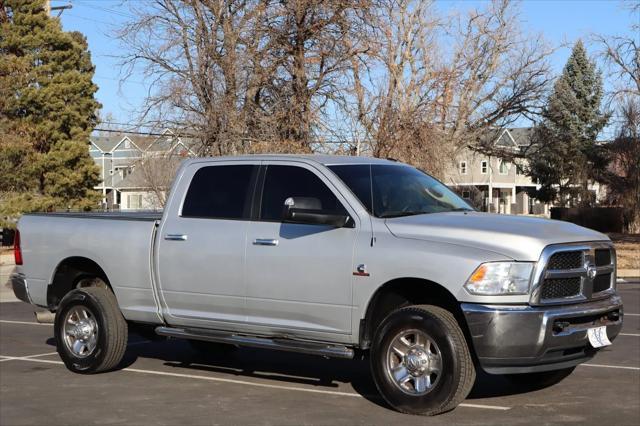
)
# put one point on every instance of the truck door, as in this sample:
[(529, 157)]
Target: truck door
[(299, 275), (200, 250)]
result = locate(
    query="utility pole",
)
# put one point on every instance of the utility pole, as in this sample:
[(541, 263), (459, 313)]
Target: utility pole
[(48, 8)]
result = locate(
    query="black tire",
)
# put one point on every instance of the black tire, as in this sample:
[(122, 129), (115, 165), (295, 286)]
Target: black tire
[(541, 379), (111, 331), (211, 348), (457, 372)]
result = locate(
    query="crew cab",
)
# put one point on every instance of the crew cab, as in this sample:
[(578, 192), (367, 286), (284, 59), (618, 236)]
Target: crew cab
[(329, 255)]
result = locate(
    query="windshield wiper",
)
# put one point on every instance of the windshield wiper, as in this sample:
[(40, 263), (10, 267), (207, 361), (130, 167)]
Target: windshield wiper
[(388, 215)]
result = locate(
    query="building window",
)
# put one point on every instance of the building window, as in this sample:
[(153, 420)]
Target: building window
[(504, 169), (484, 167), (463, 167), (134, 201), (466, 195), (123, 171)]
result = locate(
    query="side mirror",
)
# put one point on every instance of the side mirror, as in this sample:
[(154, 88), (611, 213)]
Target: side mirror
[(309, 210)]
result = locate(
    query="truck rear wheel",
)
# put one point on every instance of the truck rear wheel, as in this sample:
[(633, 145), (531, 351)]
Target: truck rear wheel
[(90, 331), (420, 361)]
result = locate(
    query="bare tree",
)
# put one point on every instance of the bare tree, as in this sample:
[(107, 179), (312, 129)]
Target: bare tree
[(395, 82), (621, 54), (265, 75), (204, 59), (156, 171), (425, 92), (622, 179), (240, 72)]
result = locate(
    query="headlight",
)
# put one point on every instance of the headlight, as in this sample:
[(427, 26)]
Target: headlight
[(498, 278)]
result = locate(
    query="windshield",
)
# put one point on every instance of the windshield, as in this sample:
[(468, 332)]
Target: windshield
[(398, 190)]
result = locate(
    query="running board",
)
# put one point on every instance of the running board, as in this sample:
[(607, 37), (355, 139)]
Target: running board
[(311, 348)]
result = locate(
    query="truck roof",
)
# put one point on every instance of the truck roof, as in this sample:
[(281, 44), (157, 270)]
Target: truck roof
[(324, 159)]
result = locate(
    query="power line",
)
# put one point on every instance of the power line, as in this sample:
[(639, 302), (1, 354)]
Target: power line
[(133, 132), (120, 80), (90, 20), (113, 11), (178, 134)]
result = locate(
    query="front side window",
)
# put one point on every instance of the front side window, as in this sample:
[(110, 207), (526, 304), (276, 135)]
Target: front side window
[(358, 179), (220, 192), (398, 190), (282, 182)]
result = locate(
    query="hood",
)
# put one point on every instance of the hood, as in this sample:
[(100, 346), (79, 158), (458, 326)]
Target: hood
[(518, 237)]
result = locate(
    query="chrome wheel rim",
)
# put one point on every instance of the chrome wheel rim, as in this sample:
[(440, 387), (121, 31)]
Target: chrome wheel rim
[(414, 362), (80, 331)]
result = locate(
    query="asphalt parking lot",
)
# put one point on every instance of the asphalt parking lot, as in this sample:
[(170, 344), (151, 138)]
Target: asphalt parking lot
[(166, 382)]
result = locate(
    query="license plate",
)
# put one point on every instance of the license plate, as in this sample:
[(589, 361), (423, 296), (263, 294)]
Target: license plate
[(598, 337)]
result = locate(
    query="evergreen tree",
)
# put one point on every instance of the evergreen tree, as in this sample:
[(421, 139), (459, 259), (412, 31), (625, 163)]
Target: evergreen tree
[(48, 111), (565, 156)]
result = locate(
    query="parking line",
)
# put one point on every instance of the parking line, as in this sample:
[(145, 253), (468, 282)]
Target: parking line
[(611, 366), (631, 315), (23, 322), (37, 323), (629, 334), (28, 357), (244, 382)]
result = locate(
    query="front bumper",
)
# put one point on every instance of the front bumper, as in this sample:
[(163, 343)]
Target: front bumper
[(20, 287), (521, 339)]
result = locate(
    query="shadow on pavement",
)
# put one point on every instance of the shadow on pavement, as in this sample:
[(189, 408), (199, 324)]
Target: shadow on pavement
[(292, 368)]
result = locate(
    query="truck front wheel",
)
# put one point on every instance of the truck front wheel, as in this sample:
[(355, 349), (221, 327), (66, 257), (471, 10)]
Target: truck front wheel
[(90, 331), (420, 360)]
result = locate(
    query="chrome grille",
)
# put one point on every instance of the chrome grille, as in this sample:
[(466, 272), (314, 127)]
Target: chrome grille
[(601, 283), (566, 260), (603, 257), (573, 273), (556, 288)]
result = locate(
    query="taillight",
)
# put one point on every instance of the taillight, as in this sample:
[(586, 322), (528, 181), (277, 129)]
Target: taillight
[(17, 251)]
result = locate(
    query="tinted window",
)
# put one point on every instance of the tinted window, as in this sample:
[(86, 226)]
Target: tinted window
[(398, 190), (358, 179), (282, 182), (220, 192), (405, 191)]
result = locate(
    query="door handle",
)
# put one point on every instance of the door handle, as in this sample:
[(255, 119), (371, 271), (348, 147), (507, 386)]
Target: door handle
[(175, 237), (265, 242)]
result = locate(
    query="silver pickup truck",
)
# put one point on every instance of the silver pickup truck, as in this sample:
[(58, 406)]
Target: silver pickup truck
[(329, 255)]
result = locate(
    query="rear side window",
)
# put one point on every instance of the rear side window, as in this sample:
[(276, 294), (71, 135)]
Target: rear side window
[(220, 192), (282, 182)]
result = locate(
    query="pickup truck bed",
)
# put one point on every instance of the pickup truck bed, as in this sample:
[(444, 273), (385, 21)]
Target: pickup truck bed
[(118, 244), (137, 215)]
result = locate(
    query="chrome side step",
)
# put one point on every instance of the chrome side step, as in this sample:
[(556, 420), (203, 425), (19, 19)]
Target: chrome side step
[(311, 348)]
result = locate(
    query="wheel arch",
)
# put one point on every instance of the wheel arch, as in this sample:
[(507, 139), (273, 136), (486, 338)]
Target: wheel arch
[(67, 275), (406, 291)]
